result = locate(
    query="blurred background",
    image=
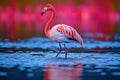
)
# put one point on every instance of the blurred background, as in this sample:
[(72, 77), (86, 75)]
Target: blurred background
[(26, 55), (98, 19)]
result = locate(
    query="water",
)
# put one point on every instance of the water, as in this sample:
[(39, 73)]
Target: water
[(34, 59)]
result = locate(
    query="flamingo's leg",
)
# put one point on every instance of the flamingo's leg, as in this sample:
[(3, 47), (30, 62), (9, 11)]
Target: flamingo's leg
[(66, 51), (60, 49)]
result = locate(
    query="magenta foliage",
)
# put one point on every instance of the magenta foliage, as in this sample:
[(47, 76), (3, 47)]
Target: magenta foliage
[(86, 18)]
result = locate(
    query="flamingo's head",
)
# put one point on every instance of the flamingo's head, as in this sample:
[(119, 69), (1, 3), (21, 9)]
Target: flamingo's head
[(48, 7)]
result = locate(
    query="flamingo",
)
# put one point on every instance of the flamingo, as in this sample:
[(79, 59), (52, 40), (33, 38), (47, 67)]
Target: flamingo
[(60, 33)]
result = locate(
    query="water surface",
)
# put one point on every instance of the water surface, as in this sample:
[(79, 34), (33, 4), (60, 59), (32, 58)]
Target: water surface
[(34, 59)]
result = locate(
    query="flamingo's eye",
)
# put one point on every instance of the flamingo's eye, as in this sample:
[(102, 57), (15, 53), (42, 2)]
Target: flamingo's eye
[(49, 8)]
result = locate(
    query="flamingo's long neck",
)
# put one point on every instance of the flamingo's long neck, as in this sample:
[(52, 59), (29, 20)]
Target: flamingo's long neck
[(47, 27)]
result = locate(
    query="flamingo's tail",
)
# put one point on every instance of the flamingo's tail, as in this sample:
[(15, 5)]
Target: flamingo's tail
[(79, 39)]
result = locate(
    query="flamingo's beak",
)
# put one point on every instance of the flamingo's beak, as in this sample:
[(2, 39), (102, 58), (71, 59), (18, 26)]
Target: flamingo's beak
[(43, 11)]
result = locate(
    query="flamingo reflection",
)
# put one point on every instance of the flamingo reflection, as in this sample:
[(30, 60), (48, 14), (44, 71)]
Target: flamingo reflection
[(54, 72)]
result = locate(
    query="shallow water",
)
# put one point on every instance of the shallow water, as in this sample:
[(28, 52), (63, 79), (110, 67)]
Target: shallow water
[(34, 59)]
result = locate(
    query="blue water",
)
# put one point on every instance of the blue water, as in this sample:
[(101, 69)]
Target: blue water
[(34, 59)]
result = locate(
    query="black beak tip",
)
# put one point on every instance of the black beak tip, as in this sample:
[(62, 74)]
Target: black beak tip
[(42, 13)]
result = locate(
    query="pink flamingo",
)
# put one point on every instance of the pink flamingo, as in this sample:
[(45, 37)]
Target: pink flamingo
[(60, 32)]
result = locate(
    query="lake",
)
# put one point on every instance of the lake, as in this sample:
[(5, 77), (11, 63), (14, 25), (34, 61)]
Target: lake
[(34, 59)]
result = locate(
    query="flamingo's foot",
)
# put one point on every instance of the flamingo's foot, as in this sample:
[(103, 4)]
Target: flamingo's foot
[(59, 51), (65, 55), (62, 49)]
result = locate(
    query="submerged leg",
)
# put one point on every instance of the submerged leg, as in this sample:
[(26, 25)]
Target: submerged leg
[(60, 49), (66, 51)]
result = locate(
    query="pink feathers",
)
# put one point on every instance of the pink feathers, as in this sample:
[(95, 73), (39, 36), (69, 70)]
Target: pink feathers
[(66, 31)]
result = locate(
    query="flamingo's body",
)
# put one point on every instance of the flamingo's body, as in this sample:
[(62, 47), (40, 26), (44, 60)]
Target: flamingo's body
[(60, 32), (64, 33)]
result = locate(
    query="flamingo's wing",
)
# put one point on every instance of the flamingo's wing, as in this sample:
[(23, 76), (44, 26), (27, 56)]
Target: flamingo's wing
[(66, 30), (70, 33)]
